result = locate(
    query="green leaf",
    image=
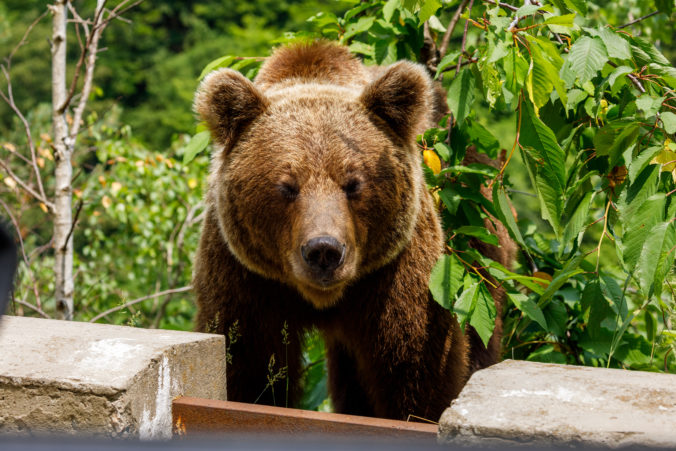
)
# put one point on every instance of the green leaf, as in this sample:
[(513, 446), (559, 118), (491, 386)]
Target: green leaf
[(389, 8), (224, 61), (645, 52), (385, 51), (669, 121), (643, 159), (483, 139), (451, 199), (461, 95), (617, 75), (464, 305), (445, 62), (655, 249), (577, 5), (504, 212), (361, 26), (547, 354), (557, 317), (616, 46), (446, 280), (472, 168), (615, 137), (560, 277), (483, 314), (529, 308), (565, 20), (637, 229), (478, 232), (427, 10), (197, 144), (443, 151), (362, 48), (527, 10), (649, 105), (598, 306), (578, 219), (587, 57), (516, 71), (546, 163)]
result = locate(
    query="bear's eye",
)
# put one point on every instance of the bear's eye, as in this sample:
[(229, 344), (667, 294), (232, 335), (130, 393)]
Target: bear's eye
[(288, 191), (352, 188)]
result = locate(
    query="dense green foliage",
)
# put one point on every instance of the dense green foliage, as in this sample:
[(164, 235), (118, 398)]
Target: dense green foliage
[(582, 112)]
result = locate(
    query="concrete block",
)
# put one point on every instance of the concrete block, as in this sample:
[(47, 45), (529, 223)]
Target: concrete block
[(60, 377), (517, 402)]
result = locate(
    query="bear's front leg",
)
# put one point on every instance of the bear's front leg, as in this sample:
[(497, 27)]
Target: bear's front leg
[(259, 318)]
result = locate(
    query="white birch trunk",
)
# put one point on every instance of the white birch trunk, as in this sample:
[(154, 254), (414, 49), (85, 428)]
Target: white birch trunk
[(63, 147)]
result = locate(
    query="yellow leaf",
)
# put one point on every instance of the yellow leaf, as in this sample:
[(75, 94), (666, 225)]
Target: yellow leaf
[(45, 137), (41, 162), (106, 202), (77, 192), (9, 146), (432, 160), (45, 153), (43, 207), (9, 181), (102, 180), (115, 187), (544, 278), (192, 183), (667, 159)]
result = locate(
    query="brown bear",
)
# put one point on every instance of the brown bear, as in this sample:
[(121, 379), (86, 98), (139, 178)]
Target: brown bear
[(318, 217)]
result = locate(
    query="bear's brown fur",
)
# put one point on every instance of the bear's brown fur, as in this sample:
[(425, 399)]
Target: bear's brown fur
[(318, 216)]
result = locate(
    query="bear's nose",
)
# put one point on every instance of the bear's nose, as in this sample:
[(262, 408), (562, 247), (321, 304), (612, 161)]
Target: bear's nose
[(324, 253)]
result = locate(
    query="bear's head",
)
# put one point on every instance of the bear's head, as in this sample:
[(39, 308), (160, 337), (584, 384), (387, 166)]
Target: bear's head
[(316, 182)]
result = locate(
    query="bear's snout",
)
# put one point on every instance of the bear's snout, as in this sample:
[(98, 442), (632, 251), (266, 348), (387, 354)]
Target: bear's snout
[(323, 254)]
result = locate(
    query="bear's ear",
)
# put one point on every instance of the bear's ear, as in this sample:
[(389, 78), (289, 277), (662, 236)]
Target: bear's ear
[(401, 97), (228, 102)]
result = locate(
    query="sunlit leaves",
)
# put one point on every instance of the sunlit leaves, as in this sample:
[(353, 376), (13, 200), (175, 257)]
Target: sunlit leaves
[(587, 57), (461, 95), (546, 163)]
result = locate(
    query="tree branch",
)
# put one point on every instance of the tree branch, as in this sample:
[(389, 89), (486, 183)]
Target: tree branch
[(502, 5), (136, 301), (451, 26), (9, 99), (638, 20), (26, 187), (464, 37)]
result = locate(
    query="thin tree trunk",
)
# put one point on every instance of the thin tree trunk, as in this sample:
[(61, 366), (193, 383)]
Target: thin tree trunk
[(63, 147)]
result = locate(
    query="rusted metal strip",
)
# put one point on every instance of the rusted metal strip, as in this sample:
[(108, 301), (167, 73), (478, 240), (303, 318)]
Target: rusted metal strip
[(195, 416)]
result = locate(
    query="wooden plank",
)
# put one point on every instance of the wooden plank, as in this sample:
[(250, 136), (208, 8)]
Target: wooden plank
[(195, 416)]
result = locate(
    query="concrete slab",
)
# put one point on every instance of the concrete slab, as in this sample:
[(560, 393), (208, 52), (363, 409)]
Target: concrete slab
[(79, 378), (517, 402)]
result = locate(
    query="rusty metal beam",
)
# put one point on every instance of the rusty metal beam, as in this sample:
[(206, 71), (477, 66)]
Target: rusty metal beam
[(195, 416)]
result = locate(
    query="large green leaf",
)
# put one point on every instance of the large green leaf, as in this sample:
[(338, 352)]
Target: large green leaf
[(665, 6), (546, 164), (615, 137), (650, 269), (480, 233), (529, 308), (579, 6), (578, 219), (504, 212), (360, 26), (587, 57), (616, 46), (637, 229), (484, 313), (427, 9), (197, 144), (461, 95), (446, 280)]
